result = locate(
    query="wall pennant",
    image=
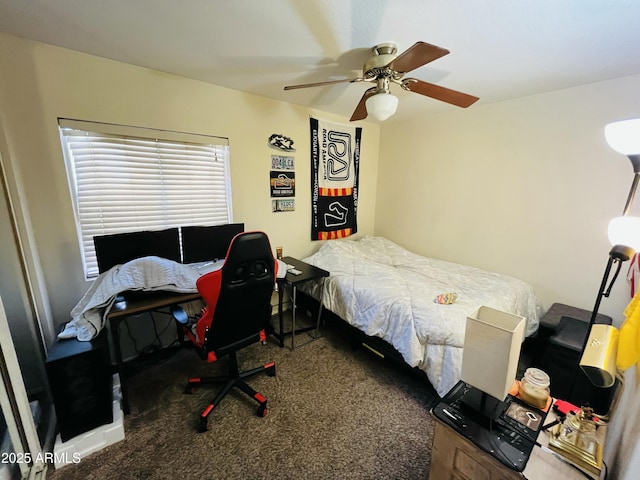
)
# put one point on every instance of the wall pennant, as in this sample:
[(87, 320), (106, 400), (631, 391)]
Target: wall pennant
[(335, 163)]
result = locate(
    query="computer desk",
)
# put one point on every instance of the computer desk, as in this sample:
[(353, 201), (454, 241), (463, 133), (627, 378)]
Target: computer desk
[(142, 302)]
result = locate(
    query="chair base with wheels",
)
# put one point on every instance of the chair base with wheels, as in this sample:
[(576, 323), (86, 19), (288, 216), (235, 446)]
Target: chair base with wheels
[(234, 378)]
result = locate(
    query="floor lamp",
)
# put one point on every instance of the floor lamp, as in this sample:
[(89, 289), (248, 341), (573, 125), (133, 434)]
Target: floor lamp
[(600, 345), (577, 439)]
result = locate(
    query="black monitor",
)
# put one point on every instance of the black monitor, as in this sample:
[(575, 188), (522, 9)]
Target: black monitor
[(201, 244), (120, 248)]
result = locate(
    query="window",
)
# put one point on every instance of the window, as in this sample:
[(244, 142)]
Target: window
[(126, 179)]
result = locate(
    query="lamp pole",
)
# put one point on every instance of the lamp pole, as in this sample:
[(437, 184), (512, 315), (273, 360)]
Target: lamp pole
[(618, 253), (623, 137)]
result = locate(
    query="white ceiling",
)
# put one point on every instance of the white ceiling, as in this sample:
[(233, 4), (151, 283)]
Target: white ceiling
[(500, 49)]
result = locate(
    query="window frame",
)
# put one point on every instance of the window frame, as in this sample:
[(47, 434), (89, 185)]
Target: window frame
[(217, 180)]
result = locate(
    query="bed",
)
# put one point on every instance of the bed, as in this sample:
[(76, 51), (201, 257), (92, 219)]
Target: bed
[(388, 292)]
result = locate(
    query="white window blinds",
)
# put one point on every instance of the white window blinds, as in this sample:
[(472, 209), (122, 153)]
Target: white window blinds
[(127, 179)]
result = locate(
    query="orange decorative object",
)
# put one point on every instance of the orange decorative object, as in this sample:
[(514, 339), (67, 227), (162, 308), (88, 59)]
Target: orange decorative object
[(514, 391)]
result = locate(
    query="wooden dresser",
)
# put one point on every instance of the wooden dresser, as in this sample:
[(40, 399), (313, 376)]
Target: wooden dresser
[(453, 457)]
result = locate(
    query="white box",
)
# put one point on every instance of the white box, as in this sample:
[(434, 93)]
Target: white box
[(80, 446)]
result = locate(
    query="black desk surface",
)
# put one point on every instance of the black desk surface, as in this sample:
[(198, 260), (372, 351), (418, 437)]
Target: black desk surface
[(69, 347), (149, 301), (309, 272)]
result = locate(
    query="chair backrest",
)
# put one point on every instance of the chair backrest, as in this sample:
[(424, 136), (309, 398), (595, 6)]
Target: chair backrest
[(238, 296)]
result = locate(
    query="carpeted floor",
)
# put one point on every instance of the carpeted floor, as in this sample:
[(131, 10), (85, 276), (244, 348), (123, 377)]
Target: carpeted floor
[(334, 413)]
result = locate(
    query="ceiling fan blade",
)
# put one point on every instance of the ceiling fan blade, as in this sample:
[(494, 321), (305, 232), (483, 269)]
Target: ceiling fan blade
[(419, 54), (329, 82), (439, 93), (360, 112)]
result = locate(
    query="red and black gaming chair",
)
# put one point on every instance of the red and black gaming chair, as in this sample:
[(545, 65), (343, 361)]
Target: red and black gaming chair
[(237, 314)]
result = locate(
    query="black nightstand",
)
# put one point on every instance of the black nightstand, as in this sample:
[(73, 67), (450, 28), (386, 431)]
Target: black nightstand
[(308, 273), (563, 330)]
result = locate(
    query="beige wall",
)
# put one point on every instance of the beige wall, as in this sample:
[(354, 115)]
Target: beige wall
[(526, 188), (40, 83)]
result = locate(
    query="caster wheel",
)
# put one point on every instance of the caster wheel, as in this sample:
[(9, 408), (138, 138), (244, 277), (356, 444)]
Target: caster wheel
[(271, 371), (189, 389), (202, 425), (262, 410)]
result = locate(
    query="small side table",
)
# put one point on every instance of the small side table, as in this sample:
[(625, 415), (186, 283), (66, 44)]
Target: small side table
[(564, 329), (309, 272), (465, 446), (454, 456)]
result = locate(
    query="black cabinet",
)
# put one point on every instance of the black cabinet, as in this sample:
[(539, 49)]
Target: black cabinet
[(80, 379), (564, 329)]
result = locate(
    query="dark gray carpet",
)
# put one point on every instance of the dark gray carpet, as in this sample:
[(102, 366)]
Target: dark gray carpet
[(334, 413)]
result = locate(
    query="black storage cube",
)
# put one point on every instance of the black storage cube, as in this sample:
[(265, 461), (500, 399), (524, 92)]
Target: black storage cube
[(80, 378), (562, 364)]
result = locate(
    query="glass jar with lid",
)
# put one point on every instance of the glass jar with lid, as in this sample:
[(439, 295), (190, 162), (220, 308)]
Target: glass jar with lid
[(534, 387)]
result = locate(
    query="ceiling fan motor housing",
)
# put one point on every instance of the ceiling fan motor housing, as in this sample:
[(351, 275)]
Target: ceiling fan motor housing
[(378, 64)]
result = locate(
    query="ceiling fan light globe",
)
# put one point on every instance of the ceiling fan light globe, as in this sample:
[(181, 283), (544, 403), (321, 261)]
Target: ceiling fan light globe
[(382, 105)]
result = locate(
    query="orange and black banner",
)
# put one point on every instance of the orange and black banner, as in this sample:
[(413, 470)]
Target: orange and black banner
[(335, 161)]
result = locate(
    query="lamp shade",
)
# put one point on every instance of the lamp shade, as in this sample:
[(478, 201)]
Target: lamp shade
[(491, 351), (382, 105), (624, 136), (598, 360), (625, 231)]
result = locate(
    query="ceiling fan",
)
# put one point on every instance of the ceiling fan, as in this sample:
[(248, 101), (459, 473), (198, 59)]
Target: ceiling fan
[(385, 68)]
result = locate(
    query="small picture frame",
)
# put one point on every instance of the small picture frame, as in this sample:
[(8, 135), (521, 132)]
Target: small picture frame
[(530, 417)]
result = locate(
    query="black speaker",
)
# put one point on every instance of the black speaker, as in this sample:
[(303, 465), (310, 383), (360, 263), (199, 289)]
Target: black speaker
[(80, 379)]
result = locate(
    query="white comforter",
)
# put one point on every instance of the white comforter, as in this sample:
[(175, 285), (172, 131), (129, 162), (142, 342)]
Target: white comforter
[(387, 291)]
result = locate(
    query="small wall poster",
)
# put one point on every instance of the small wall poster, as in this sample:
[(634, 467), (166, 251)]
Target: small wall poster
[(283, 205), (283, 184)]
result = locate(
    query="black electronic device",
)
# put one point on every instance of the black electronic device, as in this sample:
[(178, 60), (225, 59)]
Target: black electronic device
[(481, 405), (80, 378), (207, 243), (120, 248), (509, 438)]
